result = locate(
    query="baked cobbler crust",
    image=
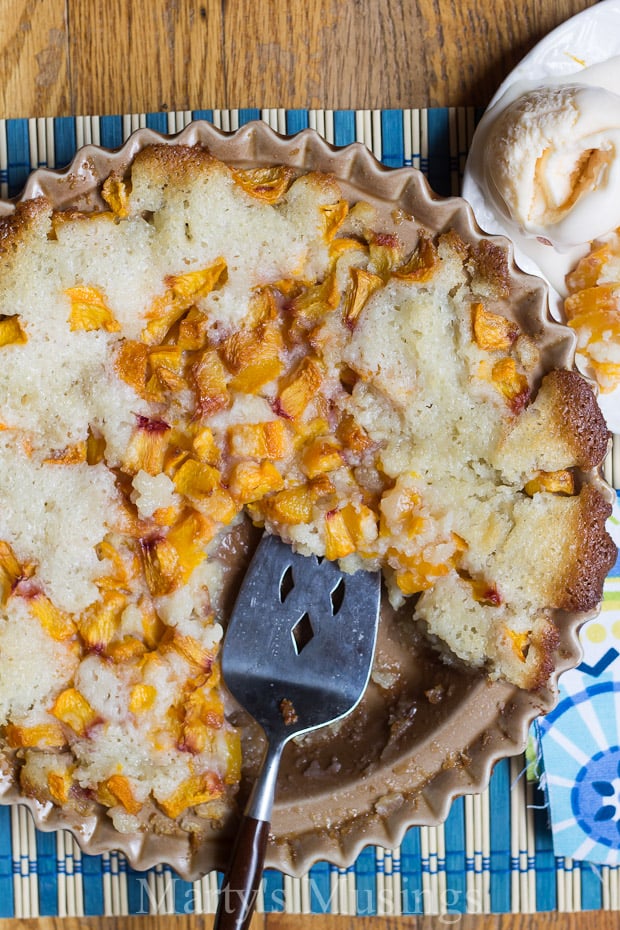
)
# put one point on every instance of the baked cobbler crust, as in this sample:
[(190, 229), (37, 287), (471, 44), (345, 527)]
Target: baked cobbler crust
[(224, 344)]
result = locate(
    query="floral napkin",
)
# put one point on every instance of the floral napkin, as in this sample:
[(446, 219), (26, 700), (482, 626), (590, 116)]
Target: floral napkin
[(580, 740)]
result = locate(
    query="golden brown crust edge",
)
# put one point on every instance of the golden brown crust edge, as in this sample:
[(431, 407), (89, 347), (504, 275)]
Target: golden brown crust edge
[(583, 582), (174, 161), (581, 420), (546, 645), (579, 417), (16, 227), (491, 274)]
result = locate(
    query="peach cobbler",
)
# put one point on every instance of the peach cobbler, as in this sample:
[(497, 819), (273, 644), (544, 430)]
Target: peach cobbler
[(222, 345)]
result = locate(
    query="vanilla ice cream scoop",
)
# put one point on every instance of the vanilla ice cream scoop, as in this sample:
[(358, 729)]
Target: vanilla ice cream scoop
[(552, 163)]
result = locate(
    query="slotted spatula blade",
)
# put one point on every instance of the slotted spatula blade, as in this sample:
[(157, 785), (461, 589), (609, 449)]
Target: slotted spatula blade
[(297, 655)]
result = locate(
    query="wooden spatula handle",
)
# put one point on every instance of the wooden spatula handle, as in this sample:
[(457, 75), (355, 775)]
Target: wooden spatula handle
[(240, 887)]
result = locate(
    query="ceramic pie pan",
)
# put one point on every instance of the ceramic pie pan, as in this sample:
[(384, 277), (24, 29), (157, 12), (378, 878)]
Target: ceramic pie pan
[(426, 731)]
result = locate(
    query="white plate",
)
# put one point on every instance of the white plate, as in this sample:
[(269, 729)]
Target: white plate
[(586, 49)]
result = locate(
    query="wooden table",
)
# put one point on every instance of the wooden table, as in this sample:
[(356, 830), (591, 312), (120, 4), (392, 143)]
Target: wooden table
[(93, 57), (79, 57)]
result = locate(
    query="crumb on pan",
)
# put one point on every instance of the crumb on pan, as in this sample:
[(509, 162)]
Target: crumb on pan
[(289, 714)]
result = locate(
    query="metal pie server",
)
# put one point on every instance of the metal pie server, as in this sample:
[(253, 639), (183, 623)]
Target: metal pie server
[(297, 655)]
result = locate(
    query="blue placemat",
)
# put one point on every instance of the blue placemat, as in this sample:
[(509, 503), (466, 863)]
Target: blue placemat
[(495, 851)]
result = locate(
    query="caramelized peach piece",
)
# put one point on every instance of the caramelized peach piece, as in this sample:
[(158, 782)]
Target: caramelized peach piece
[(57, 623), (485, 592), (361, 524), (89, 310), (165, 516), (11, 571), (322, 455), (119, 787), (607, 374), (189, 538), (598, 297), (363, 286), (342, 244), (519, 642), (201, 713), (197, 789), (193, 736), (334, 215), (385, 253), (219, 506), (11, 331), (169, 358), (183, 290), (251, 379), (131, 364), (204, 445), (266, 184), (512, 384), (492, 332), (253, 356), (125, 650), (338, 541), (115, 192), (307, 431), (42, 735), (196, 479), (142, 698), (263, 307), (160, 563), (420, 577), (191, 285), (268, 440), (291, 506), (588, 270), (460, 544), (556, 482), (353, 436), (299, 389), (98, 624), (595, 313), (59, 785), (72, 709), (423, 263), (209, 378), (250, 481), (193, 330), (316, 301), (321, 487), (153, 627), (118, 576), (194, 653), (162, 382), (147, 447)]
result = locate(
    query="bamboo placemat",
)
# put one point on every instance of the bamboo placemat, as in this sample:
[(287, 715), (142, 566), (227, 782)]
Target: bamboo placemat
[(494, 853), (436, 141)]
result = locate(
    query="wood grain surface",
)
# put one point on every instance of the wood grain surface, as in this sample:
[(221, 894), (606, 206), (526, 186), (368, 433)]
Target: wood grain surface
[(80, 57)]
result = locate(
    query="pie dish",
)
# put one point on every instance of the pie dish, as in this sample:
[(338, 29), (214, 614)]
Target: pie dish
[(427, 731)]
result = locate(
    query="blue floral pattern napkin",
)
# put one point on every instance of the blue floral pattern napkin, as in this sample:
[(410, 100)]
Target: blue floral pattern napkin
[(580, 739)]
